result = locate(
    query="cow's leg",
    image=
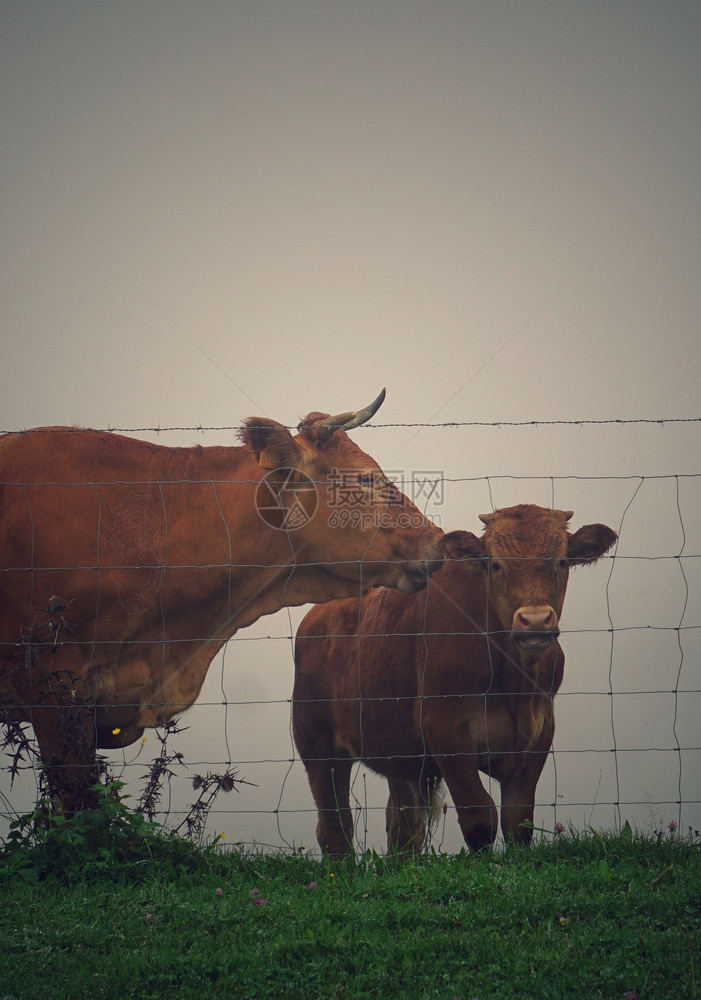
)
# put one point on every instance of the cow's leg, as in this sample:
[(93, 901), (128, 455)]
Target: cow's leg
[(407, 810), (63, 721), (518, 797), (328, 771), (477, 814), (329, 781), (406, 816)]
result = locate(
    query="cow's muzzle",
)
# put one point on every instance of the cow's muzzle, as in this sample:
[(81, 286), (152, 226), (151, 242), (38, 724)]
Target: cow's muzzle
[(415, 574), (534, 628)]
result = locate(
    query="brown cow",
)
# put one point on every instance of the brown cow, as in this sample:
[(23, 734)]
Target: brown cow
[(126, 566), (445, 684)]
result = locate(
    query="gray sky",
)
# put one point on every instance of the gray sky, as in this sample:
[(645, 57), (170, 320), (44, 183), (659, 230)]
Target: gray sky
[(220, 209)]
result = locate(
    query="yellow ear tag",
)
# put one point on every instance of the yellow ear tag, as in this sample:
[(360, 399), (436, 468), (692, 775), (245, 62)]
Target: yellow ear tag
[(117, 731), (268, 459)]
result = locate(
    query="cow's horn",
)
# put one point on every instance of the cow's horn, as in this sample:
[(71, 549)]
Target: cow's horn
[(568, 514), (362, 416), (346, 421), (485, 518)]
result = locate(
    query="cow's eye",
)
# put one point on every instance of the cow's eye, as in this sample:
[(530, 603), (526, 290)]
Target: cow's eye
[(563, 564), (367, 479), (495, 567)]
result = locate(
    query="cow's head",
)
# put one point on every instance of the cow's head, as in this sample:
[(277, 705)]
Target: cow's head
[(526, 553), (337, 507)]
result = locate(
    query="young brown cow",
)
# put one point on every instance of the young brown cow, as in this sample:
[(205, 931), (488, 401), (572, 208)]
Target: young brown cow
[(444, 684)]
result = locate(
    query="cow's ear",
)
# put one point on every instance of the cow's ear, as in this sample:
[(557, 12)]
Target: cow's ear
[(589, 543), (462, 545), (273, 445)]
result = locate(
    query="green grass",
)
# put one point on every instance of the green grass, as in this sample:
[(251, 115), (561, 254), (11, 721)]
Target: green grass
[(581, 916)]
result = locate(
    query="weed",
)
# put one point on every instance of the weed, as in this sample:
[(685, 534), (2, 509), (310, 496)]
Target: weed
[(110, 840)]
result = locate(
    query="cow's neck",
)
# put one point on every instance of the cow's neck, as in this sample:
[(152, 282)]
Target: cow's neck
[(288, 586), (526, 686), (526, 674), (260, 578)]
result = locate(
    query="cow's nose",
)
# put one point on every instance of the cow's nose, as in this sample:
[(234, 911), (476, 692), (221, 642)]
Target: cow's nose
[(535, 619), (534, 628)]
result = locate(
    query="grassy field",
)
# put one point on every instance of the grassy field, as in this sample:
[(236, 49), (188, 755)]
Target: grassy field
[(137, 915)]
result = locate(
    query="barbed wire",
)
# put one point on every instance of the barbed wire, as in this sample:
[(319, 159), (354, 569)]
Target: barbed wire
[(202, 429), (401, 482)]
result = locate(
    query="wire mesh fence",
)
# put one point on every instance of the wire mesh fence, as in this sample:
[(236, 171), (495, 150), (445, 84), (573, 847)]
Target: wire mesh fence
[(626, 744)]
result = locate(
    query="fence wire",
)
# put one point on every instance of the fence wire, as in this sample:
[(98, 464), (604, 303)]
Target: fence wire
[(230, 428), (626, 743)]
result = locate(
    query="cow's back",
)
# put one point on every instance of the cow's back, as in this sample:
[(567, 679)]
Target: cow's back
[(60, 488), (84, 530), (360, 672), (345, 646)]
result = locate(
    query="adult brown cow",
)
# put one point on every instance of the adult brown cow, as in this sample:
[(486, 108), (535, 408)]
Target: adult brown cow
[(126, 565), (445, 684)]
